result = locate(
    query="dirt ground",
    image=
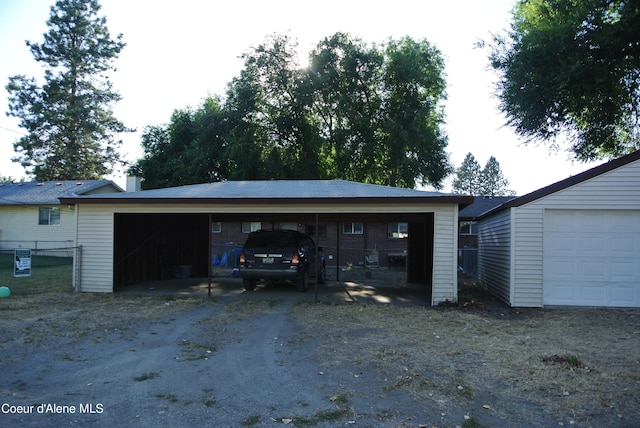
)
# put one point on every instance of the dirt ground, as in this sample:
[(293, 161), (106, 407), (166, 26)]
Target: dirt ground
[(363, 354)]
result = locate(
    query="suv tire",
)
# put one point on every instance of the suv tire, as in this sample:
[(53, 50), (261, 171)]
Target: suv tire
[(249, 284)]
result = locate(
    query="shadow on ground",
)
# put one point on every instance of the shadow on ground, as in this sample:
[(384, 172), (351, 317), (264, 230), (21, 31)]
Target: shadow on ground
[(372, 287)]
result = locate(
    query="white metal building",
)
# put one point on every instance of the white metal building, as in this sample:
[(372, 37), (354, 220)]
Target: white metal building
[(573, 243), (121, 235)]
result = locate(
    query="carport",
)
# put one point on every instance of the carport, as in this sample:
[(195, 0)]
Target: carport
[(140, 236)]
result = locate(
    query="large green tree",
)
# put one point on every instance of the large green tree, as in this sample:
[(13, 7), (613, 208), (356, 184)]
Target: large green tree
[(70, 124), (412, 146), (345, 77), (271, 96), (572, 68), (357, 112), (190, 149)]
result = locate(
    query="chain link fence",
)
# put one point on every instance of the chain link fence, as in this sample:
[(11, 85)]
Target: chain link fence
[(26, 264), (341, 262), (468, 262)]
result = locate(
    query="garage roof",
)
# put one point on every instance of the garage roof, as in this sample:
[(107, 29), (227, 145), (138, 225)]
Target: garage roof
[(481, 205), (566, 183), (274, 191)]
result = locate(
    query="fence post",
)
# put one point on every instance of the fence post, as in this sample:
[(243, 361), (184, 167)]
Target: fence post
[(76, 268)]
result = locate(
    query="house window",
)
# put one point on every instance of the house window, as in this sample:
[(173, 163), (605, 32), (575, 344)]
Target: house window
[(322, 230), (216, 227), (398, 230), (353, 228), (251, 226), (468, 228), (49, 216), (288, 226)]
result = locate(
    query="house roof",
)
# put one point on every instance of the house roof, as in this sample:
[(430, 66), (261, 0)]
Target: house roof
[(566, 183), (273, 191), (49, 192), (481, 205)]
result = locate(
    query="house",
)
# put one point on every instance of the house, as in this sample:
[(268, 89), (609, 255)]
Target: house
[(573, 243), (31, 215), (140, 236), (468, 231), (371, 244)]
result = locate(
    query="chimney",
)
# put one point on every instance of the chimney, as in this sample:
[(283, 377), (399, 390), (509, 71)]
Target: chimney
[(134, 184)]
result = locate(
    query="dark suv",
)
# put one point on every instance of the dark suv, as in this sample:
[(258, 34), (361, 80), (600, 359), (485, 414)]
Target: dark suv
[(281, 255)]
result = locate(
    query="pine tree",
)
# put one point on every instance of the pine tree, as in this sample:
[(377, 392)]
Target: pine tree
[(468, 177), (492, 181), (69, 119)]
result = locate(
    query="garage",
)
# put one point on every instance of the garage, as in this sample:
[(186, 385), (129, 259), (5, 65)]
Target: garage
[(573, 243), (162, 246), (144, 235), (591, 258)]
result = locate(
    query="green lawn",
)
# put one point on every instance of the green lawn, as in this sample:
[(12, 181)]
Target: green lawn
[(47, 274)]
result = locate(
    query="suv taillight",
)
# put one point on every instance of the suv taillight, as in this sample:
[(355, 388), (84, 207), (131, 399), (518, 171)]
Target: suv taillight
[(295, 259), (242, 258)]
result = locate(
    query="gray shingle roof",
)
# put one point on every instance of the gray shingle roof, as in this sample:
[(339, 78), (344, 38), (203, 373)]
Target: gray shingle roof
[(275, 189), (481, 205), (568, 182), (48, 192)]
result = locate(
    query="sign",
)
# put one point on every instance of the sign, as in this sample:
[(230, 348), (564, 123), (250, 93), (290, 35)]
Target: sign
[(22, 263)]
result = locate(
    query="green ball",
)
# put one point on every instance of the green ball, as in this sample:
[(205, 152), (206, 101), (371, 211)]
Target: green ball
[(4, 292)]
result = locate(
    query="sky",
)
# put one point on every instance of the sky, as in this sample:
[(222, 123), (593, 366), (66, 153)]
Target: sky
[(179, 52)]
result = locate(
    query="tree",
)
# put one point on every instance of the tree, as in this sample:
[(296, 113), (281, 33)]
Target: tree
[(413, 143), (379, 110), (472, 180), (190, 149), (69, 119), (492, 181), (468, 177), (358, 112), (363, 113), (572, 68), (345, 76), (276, 109)]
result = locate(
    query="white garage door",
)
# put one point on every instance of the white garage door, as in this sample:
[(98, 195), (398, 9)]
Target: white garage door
[(592, 258)]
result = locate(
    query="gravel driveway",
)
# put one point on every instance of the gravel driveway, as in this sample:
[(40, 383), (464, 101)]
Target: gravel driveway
[(274, 357)]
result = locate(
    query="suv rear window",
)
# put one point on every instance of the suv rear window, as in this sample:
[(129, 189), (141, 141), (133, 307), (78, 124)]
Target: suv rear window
[(270, 240)]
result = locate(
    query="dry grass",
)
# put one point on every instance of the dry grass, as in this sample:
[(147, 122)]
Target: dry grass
[(45, 305), (580, 365), (576, 365)]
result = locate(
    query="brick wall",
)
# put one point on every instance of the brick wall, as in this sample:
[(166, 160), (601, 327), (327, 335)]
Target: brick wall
[(353, 248)]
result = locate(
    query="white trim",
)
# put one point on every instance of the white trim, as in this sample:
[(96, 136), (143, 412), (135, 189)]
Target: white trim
[(512, 256)]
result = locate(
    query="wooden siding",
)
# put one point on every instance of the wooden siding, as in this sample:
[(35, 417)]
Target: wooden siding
[(528, 228), (618, 189), (19, 227), (96, 229), (445, 255), (95, 236), (494, 254)]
